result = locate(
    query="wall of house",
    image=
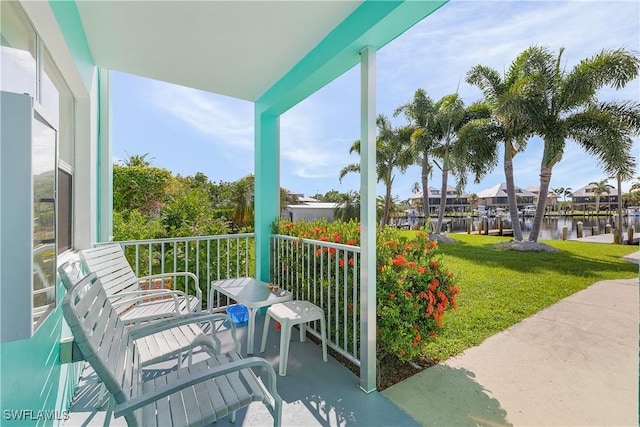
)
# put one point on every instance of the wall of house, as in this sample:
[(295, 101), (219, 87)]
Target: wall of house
[(35, 387)]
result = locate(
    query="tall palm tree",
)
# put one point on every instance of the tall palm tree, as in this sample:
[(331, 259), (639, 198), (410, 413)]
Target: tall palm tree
[(561, 105), (418, 111), (503, 127), (392, 152), (458, 156), (599, 188)]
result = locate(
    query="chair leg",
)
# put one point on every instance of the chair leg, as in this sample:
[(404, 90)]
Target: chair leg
[(109, 412), (303, 332), (233, 417), (265, 332), (285, 336), (323, 333)]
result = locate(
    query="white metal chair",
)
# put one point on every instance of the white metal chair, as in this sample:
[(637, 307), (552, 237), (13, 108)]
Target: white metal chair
[(123, 287), (197, 395), (162, 340)]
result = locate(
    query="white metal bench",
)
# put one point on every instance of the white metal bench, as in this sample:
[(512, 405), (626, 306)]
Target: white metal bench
[(123, 287), (197, 395)]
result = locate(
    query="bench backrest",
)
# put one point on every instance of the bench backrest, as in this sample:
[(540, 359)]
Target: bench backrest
[(112, 267), (104, 340)]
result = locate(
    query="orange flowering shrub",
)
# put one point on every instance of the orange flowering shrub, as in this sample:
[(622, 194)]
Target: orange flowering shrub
[(414, 289)]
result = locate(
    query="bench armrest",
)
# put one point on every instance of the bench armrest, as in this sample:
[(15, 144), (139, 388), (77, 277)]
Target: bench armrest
[(188, 381), (179, 274), (132, 297)]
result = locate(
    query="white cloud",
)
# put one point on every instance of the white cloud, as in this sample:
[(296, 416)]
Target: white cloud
[(226, 121)]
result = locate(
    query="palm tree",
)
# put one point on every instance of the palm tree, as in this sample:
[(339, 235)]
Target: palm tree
[(567, 192), (561, 105), (133, 160), (503, 126), (391, 152), (348, 207), (599, 188), (556, 193), (457, 156), (242, 199), (473, 200), (418, 111)]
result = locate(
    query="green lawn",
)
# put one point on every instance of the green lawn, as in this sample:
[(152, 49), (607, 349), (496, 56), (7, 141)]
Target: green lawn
[(500, 288)]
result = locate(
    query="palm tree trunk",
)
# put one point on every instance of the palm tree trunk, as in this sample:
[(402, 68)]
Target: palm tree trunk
[(545, 179), (425, 187), (618, 229), (443, 192), (511, 191), (387, 204)]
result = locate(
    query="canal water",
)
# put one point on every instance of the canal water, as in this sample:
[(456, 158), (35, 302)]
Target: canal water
[(551, 226)]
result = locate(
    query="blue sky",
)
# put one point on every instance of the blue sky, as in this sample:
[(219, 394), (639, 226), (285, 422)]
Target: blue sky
[(189, 131)]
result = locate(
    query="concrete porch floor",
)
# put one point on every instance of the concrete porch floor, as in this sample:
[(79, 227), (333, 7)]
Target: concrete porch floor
[(314, 393)]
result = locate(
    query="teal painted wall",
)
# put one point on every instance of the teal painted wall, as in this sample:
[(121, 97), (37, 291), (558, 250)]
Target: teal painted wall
[(32, 378)]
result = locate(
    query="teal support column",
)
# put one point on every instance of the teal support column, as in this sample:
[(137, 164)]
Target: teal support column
[(368, 219), (266, 186)]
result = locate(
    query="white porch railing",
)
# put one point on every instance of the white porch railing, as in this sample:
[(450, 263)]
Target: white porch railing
[(328, 275), (208, 257)]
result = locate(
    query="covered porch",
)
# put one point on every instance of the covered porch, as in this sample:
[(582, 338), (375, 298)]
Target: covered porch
[(273, 54)]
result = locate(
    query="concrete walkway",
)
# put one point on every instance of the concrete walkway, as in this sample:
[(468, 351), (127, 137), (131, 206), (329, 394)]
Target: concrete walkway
[(572, 364)]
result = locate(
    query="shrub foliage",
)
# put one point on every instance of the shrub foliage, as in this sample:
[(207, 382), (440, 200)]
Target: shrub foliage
[(414, 289)]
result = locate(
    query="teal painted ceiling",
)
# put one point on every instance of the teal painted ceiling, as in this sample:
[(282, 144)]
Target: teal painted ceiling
[(275, 53)]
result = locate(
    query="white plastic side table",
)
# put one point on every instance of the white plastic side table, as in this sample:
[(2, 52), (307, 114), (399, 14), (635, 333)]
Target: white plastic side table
[(250, 292), (289, 314)]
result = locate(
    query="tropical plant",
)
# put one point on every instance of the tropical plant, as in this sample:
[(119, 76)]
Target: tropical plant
[(418, 112), (414, 289), (348, 206), (598, 188), (556, 192), (242, 199), (458, 156), (568, 191), (391, 153), (560, 105), (504, 126), (137, 160), (473, 200), (142, 188)]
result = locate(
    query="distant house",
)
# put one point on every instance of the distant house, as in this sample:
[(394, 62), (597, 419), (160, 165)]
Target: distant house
[(455, 202), (311, 211), (496, 197), (584, 199), (551, 197)]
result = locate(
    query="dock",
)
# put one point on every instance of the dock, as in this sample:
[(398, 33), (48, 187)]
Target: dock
[(494, 232), (606, 238)]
